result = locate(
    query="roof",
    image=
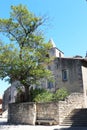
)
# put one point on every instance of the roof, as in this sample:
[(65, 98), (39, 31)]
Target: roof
[(54, 45), (52, 42)]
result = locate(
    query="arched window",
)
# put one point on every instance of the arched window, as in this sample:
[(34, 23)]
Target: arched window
[(64, 75)]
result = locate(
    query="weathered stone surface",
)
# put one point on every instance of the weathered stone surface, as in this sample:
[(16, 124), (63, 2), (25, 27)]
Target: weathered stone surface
[(59, 110), (28, 113), (48, 111), (75, 100), (22, 113)]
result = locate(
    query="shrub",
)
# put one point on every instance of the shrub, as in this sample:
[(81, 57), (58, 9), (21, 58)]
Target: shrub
[(60, 94), (44, 97), (40, 95)]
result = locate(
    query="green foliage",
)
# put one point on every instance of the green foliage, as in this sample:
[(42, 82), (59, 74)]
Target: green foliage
[(43, 95), (35, 92), (60, 94), (25, 59)]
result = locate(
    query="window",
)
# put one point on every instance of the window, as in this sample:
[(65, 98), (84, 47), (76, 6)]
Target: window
[(50, 85), (64, 75)]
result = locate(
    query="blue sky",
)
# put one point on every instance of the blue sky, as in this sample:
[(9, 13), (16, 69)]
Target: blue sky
[(67, 23)]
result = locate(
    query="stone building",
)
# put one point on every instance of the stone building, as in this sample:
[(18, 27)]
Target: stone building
[(69, 73), (0, 105), (10, 94)]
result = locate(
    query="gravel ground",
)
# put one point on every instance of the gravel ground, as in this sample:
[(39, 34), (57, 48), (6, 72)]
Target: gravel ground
[(5, 126)]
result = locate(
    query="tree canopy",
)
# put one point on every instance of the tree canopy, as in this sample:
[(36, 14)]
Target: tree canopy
[(25, 58)]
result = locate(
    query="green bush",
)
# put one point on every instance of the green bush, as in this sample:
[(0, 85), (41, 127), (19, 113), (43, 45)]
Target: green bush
[(35, 92), (43, 95), (40, 95), (60, 94)]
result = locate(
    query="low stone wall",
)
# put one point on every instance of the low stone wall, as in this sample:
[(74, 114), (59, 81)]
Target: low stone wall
[(27, 113), (22, 113), (75, 100), (48, 110), (59, 110)]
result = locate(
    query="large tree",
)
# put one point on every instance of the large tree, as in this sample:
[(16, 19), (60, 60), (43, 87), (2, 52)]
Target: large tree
[(25, 58)]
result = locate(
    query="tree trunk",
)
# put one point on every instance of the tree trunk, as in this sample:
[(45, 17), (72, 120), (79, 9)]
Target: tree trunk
[(27, 94)]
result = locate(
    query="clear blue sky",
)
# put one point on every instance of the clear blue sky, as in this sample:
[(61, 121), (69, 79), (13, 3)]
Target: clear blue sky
[(67, 23)]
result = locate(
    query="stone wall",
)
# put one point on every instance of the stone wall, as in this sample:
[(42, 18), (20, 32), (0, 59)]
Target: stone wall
[(84, 71), (48, 110), (75, 100), (59, 110), (6, 99), (22, 113), (27, 113), (74, 82)]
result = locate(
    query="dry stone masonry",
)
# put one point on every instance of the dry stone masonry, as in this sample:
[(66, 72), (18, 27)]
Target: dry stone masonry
[(29, 113)]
